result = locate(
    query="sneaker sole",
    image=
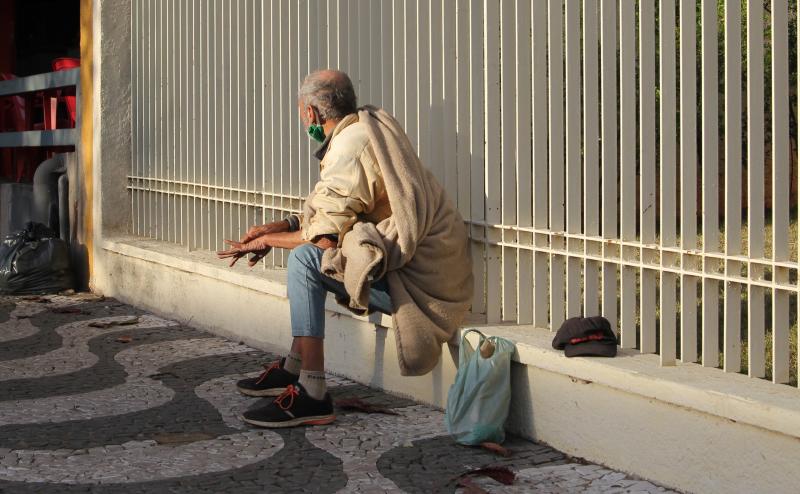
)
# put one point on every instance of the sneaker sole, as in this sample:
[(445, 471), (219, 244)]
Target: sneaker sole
[(259, 393), (317, 420)]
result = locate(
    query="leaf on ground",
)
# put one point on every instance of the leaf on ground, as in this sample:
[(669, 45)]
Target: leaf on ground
[(504, 475), (125, 339), (67, 310), (361, 406), (496, 448), (108, 324), (470, 487), (128, 322), (88, 297), (179, 438)]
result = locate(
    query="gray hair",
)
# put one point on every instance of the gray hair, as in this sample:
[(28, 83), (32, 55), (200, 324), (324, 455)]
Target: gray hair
[(330, 92)]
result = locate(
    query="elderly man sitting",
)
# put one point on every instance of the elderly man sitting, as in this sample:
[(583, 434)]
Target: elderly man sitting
[(378, 232)]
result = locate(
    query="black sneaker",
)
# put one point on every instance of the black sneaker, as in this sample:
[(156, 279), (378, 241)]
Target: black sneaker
[(292, 408), (271, 382)]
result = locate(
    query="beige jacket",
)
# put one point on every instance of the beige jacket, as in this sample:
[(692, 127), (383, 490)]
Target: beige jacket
[(422, 248), (350, 188)]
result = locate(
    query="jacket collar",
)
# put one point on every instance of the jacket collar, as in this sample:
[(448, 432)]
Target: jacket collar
[(346, 121)]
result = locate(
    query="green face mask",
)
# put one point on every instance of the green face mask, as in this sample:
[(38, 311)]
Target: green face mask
[(316, 132)]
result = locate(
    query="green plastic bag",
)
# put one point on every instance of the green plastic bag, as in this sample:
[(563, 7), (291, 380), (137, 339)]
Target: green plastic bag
[(478, 401)]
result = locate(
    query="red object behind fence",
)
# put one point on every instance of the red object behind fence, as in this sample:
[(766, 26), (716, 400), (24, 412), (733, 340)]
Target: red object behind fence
[(69, 99)]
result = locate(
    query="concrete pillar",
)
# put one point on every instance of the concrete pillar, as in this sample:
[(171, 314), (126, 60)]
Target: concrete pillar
[(111, 121)]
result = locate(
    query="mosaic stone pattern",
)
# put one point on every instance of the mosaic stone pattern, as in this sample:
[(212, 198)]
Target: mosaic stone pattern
[(89, 406)]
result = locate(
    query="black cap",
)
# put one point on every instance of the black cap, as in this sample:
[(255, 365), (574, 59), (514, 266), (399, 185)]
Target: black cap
[(586, 336)]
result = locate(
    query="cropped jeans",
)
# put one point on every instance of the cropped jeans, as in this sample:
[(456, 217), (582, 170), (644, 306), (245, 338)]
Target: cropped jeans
[(308, 288)]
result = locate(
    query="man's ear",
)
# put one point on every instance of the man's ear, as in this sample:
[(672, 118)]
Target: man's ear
[(313, 115)]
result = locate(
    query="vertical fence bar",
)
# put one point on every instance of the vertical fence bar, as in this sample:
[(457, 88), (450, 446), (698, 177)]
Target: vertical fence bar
[(254, 125), (168, 117), (424, 85), (574, 204), (647, 165), (688, 178), (161, 206), (265, 49), (435, 133), (493, 154), (177, 165), (448, 97), (755, 195), (210, 178), (155, 105), (524, 161), (477, 150), (147, 141), (219, 137), (539, 100), (187, 132), (196, 103), (591, 157), (181, 112), (282, 71), (136, 125), (388, 48), (399, 59), (780, 188), (412, 39), (668, 176), (627, 87), (375, 56), (508, 63), (608, 88), (556, 114), (230, 157), (343, 36), (306, 62), (259, 57), (733, 185), (462, 88), (276, 159), (243, 94), (710, 88), (297, 146), (137, 76)]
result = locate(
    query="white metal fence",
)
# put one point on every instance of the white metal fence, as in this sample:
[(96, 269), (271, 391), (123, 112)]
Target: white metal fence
[(599, 150)]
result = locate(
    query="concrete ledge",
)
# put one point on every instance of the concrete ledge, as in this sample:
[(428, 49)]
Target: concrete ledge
[(688, 427), (735, 397), (203, 263)]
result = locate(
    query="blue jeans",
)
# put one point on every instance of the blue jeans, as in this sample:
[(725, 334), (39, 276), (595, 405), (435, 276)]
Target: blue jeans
[(308, 288)]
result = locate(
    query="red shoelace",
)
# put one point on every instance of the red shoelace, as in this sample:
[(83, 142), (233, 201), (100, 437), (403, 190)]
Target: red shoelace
[(290, 392), (267, 369)]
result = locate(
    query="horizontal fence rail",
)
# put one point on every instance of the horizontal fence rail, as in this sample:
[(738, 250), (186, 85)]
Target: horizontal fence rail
[(31, 84), (635, 159)]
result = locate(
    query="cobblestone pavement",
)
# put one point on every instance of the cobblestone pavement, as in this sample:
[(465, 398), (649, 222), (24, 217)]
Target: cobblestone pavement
[(97, 396)]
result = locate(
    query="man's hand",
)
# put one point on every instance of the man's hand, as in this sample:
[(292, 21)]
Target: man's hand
[(260, 247), (256, 231), (247, 243), (325, 243)]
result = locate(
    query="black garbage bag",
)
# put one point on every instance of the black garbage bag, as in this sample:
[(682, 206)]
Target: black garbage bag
[(34, 261)]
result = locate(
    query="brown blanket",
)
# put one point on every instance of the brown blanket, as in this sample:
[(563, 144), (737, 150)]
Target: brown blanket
[(422, 249)]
